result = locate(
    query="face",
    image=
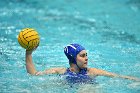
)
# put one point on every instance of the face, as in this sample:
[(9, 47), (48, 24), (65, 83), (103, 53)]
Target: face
[(82, 59)]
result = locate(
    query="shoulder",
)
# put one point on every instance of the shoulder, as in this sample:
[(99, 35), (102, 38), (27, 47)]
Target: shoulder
[(95, 71), (99, 72)]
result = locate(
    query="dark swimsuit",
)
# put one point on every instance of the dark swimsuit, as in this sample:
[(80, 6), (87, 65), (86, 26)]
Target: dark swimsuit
[(80, 77)]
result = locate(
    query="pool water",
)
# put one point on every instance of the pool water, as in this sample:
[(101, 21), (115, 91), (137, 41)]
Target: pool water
[(109, 30)]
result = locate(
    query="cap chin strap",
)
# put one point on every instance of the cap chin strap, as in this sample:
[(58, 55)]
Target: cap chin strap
[(80, 69), (78, 66)]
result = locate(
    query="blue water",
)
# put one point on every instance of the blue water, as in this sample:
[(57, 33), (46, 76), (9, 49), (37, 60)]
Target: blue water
[(109, 30)]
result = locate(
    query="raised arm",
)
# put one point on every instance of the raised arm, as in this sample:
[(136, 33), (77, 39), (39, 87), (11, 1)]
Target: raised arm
[(32, 70), (29, 63)]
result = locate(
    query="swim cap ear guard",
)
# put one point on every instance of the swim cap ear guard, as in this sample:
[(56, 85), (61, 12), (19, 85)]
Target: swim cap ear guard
[(72, 50)]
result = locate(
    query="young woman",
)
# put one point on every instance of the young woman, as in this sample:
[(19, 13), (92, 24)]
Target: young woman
[(78, 70)]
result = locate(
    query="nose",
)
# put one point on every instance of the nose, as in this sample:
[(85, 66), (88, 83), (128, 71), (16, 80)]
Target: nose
[(86, 58)]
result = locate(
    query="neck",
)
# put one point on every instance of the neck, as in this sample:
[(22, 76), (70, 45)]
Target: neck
[(74, 68)]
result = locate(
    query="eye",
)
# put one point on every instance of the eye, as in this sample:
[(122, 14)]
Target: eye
[(83, 55)]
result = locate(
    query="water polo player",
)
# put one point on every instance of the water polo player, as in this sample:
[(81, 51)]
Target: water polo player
[(78, 70)]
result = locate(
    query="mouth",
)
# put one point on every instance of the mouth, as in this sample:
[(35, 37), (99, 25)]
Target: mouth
[(85, 63)]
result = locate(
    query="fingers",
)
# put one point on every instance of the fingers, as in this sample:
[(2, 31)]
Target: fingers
[(30, 51)]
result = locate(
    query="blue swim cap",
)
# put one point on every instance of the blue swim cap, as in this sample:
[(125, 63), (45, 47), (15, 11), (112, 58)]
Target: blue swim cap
[(72, 50)]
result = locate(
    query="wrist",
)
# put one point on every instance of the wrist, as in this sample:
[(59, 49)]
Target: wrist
[(29, 52)]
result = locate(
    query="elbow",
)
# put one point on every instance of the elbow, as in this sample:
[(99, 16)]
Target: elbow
[(31, 73)]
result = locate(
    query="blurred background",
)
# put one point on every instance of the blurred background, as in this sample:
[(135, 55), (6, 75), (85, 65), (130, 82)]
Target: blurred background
[(108, 29)]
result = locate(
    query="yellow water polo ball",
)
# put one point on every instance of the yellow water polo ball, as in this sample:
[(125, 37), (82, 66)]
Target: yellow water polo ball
[(28, 38)]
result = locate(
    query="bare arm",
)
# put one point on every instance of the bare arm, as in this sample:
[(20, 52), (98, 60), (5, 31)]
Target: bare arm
[(129, 77), (32, 70), (99, 72), (29, 63), (52, 71)]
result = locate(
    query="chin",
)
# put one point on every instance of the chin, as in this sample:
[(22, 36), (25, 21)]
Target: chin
[(84, 66)]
